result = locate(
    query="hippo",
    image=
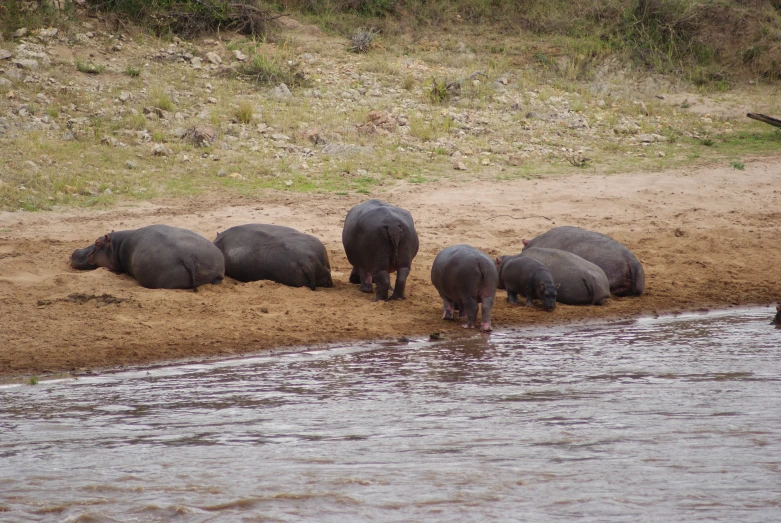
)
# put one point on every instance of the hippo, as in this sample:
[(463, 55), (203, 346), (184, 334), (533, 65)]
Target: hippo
[(528, 277), (380, 238), (622, 268), (272, 252), (777, 319), (158, 256), (464, 277), (578, 281)]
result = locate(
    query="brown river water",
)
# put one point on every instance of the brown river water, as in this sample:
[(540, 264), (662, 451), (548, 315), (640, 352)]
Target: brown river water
[(665, 419)]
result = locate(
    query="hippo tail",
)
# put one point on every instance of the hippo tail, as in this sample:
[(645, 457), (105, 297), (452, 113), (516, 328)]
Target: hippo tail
[(309, 275), (194, 269), (395, 233)]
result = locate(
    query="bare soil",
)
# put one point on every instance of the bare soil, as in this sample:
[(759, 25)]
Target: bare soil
[(708, 237)]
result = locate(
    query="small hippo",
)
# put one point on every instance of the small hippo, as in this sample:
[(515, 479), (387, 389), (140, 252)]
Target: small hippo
[(272, 252), (622, 268), (464, 277), (528, 277), (578, 282), (380, 238), (158, 256), (777, 319)]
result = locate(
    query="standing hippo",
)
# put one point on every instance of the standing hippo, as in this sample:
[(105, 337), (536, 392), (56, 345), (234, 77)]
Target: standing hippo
[(158, 256), (622, 268), (272, 252), (528, 277), (380, 238), (578, 282), (464, 277)]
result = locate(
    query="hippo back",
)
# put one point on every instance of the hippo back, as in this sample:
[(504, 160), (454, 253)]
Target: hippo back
[(622, 268), (578, 281), (274, 252), (164, 257), (379, 236)]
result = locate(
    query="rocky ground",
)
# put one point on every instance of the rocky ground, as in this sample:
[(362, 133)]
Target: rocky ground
[(103, 127)]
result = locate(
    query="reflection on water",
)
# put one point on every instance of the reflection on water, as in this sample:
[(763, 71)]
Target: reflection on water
[(655, 420)]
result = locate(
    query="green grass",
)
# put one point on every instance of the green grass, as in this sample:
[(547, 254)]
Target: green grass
[(89, 67), (133, 72)]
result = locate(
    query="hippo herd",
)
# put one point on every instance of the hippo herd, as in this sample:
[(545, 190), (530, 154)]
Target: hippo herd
[(566, 264)]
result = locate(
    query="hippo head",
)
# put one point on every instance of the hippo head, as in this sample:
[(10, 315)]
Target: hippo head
[(546, 292), (94, 256)]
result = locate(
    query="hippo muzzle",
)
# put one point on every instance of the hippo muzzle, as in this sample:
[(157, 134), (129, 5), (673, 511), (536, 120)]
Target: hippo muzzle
[(80, 259)]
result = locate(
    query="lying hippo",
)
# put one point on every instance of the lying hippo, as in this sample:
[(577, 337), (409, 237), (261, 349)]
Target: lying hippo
[(272, 252), (578, 282), (158, 256), (528, 277), (622, 268), (379, 239), (464, 277)]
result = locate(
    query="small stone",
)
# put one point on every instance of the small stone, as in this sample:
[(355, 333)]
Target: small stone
[(264, 310), (19, 33), (485, 161), (195, 62), (130, 164), (236, 176), (281, 91), (280, 136), (459, 166), (213, 58), (238, 55), (222, 173), (660, 154), (108, 192), (289, 183), (211, 100), (26, 63), (161, 150), (48, 33), (32, 166), (124, 96), (5, 54)]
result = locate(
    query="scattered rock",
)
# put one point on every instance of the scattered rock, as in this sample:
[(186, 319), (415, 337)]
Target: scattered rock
[(5, 54), (236, 176), (32, 166), (281, 91), (161, 150), (125, 96), (213, 58), (238, 55), (195, 62), (201, 135), (459, 166), (26, 63), (45, 34), (211, 100), (19, 33), (130, 164), (222, 173)]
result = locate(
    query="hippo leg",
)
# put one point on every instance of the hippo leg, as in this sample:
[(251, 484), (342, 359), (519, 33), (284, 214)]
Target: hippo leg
[(355, 276), (530, 297), (382, 282), (366, 281), (470, 307), (512, 297), (448, 309), (401, 283), (487, 306), (461, 311)]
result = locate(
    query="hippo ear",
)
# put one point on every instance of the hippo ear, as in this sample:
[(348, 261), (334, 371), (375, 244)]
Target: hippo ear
[(525, 242)]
